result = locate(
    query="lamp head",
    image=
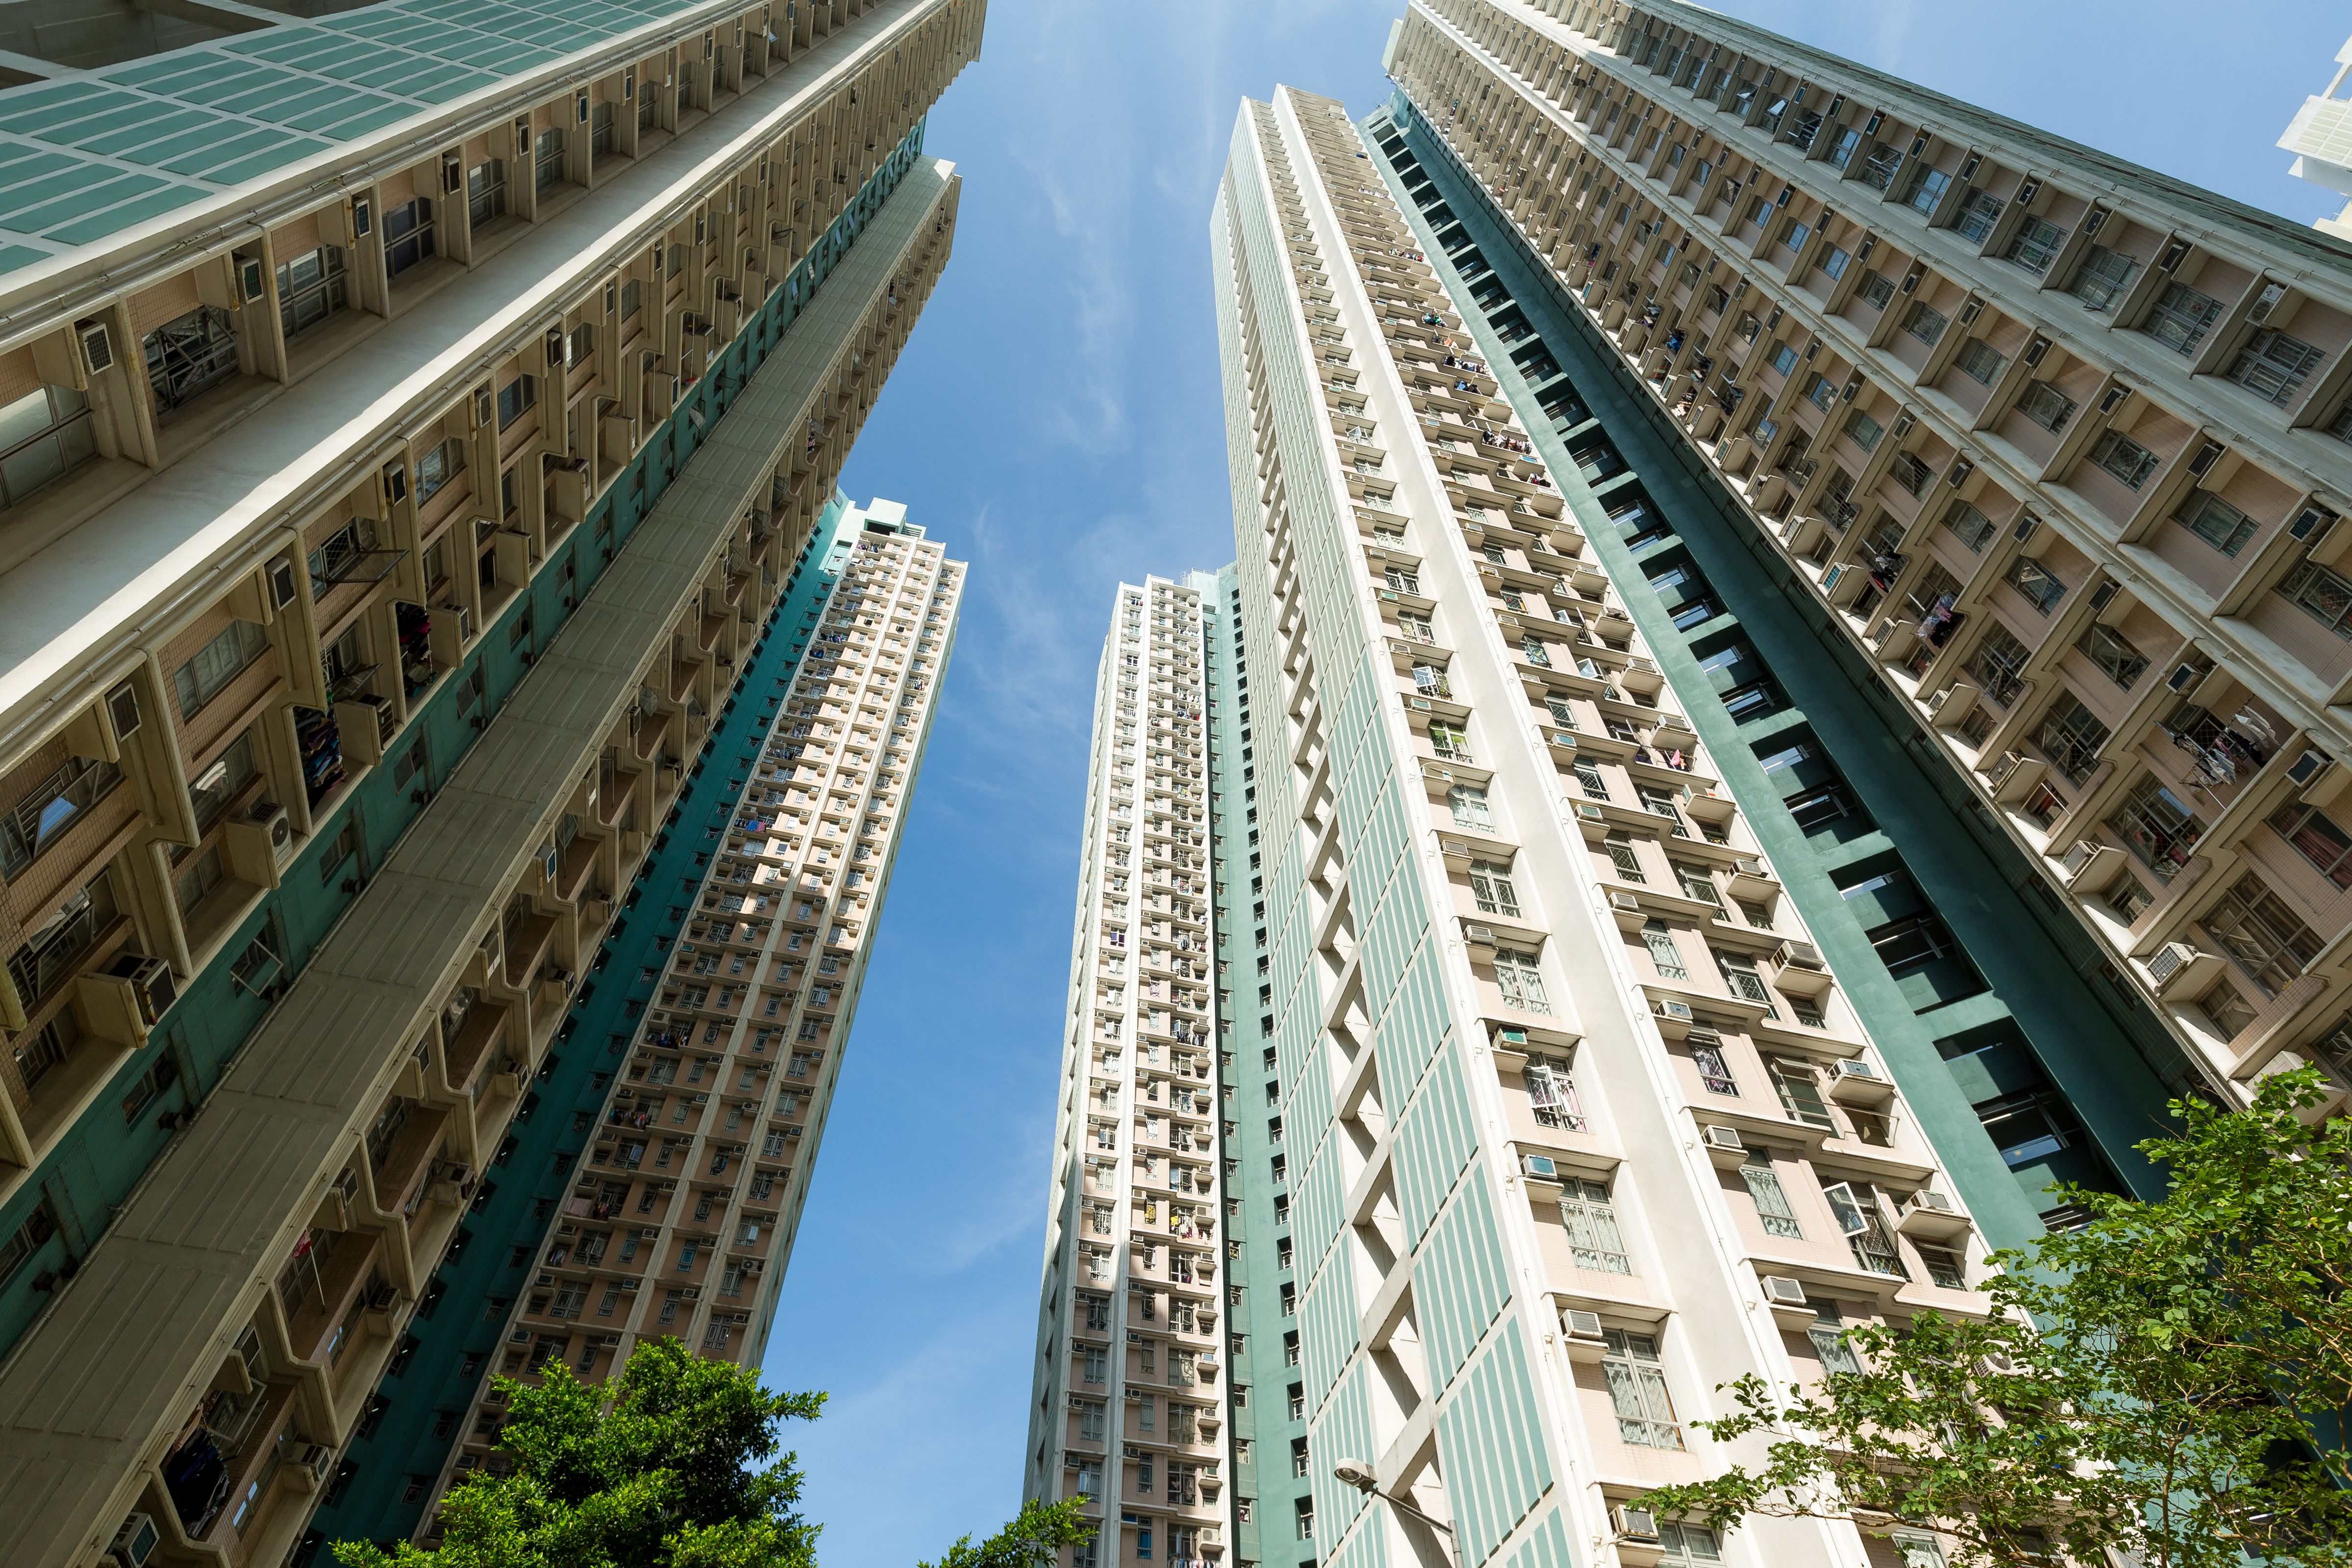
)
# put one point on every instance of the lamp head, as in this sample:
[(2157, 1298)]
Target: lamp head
[(1357, 1474)]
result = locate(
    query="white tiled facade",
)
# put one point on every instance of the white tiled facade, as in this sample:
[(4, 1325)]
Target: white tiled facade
[(1128, 1404)]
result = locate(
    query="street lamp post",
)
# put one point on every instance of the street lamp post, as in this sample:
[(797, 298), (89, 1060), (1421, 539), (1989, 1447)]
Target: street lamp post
[(1359, 1474)]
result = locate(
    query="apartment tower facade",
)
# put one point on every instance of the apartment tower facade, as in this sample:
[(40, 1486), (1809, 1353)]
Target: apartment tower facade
[(1126, 1405), (676, 1214), (418, 419), (1545, 1115), (2054, 448)]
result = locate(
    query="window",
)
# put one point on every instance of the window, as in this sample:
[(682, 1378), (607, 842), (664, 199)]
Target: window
[(188, 356), (438, 467), (2217, 522), (1978, 211), (213, 787), (1594, 1238), (44, 435), (547, 159), (1864, 430), (2046, 405), (1924, 322), (1856, 1205), (1834, 261), (1637, 1387), (1662, 953), (1979, 362), (1520, 981), (1552, 1093), (1620, 847), (217, 663), (1875, 289), (1784, 358), (1908, 470), (2105, 648), (2323, 595), (50, 808), (1918, 1551), (1772, 1206), (2126, 458), (2181, 317), (516, 398), (311, 288), (1469, 804), (1925, 189), (2036, 245), (1968, 525), (2071, 736), (1587, 777), (2255, 927), (2273, 366), (2228, 1011), (1688, 1545), (1816, 809), (1822, 392), (485, 192), (2102, 278), (1490, 885), (1800, 1093), (52, 953), (2157, 825), (1996, 663), (2318, 838), (408, 236), (1740, 974), (1827, 1334), (1697, 882), (2036, 582)]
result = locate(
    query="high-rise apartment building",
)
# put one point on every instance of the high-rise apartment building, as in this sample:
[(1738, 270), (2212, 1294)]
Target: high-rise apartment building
[(2053, 448), (669, 1204), (1128, 1409), (2320, 136), (417, 418), (1544, 1115)]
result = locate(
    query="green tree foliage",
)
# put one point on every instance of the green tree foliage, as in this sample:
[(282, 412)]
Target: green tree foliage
[(681, 1472), (2183, 1398), (1034, 1540)]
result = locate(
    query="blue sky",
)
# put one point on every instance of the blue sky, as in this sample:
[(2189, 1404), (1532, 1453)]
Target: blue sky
[(1057, 421)]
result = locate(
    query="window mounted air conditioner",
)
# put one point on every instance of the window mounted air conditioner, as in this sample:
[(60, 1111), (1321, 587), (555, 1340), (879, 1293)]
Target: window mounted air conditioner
[(1542, 1166), (1624, 902), (1725, 1138), (2307, 769), (1664, 1008), (1581, 1325), (97, 346), (1853, 1068), (1638, 1524), (134, 1544), (1925, 1201), (151, 980), (1783, 1291)]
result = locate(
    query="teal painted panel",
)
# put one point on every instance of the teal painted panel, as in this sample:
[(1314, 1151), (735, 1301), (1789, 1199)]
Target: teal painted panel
[(1341, 1430), (1459, 1280), (1328, 1328), (1414, 1027), (1319, 1195), (1545, 1545), (1434, 1140), (1490, 1441)]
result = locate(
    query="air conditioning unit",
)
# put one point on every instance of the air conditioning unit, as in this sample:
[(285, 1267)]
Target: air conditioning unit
[(320, 1461), (2179, 966), (1624, 902), (1542, 1166), (1926, 1202), (2311, 525), (1635, 1524), (1801, 955), (2185, 676), (1664, 1008), (2207, 456), (97, 346), (1581, 1324), (1724, 1138), (484, 409), (2307, 769), (1853, 1067), (134, 1544), (151, 983), (1589, 812), (122, 711), (273, 820), (1783, 1291)]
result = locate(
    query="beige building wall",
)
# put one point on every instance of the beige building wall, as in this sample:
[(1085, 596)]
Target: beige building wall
[(689, 1196), (2063, 441), (1130, 1407)]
